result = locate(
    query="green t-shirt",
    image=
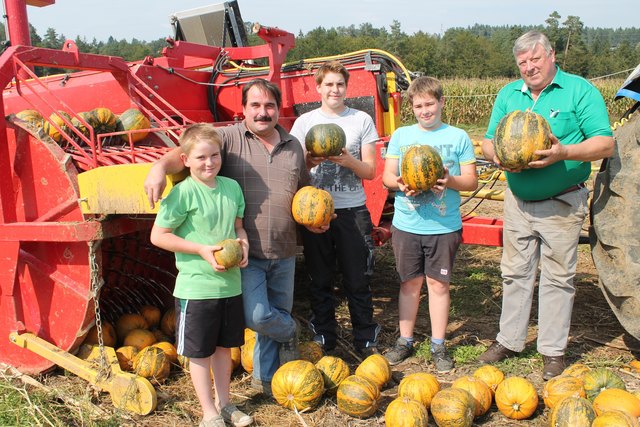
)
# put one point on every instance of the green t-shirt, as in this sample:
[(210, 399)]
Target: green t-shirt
[(204, 215), (575, 111)]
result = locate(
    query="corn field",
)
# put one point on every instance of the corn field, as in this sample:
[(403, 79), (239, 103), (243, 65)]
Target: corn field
[(468, 102)]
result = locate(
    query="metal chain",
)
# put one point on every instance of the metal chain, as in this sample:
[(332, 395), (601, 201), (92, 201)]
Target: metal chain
[(96, 284)]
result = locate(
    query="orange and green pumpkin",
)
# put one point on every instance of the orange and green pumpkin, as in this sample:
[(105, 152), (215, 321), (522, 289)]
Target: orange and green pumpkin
[(312, 207), (230, 255), (54, 133), (75, 121), (128, 322), (405, 412), (597, 380), (615, 398), (131, 120), (572, 412), (325, 139), (491, 375), (421, 167), (614, 418), (479, 390), (453, 407), (560, 387), (357, 396), (516, 398), (297, 385), (419, 386), (102, 120), (577, 370), (518, 135), (310, 351), (151, 362), (376, 369), (125, 356), (109, 337), (169, 350), (334, 370), (31, 117)]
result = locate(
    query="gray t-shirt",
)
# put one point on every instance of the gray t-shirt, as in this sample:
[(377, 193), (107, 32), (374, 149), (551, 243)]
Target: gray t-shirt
[(344, 186)]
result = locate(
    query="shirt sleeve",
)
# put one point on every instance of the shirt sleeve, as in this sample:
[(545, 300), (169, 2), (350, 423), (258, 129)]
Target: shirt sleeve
[(497, 113), (467, 155), (172, 212), (298, 130), (593, 117), (369, 131)]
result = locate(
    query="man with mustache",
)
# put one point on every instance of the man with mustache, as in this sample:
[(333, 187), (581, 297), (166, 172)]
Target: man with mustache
[(269, 165), (546, 203)]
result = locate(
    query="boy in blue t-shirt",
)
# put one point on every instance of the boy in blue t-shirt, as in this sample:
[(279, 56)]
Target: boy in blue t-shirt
[(199, 212), (427, 227)]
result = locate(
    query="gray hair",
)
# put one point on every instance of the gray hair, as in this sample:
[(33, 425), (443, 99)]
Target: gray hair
[(528, 42)]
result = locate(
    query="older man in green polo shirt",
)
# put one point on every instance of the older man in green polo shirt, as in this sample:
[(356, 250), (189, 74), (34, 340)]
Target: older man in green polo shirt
[(546, 203)]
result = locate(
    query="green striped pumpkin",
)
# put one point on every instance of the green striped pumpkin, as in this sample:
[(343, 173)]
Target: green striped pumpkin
[(32, 117), (518, 135), (325, 139), (421, 167), (600, 379), (152, 363), (133, 119), (572, 412), (50, 130), (103, 120), (297, 384), (405, 412), (453, 407), (420, 386), (358, 397), (312, 207), (334, 370), (79, 125)]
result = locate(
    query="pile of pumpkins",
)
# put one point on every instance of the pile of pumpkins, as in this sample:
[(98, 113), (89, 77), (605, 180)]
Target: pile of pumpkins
[(581, 396), (101, 119)]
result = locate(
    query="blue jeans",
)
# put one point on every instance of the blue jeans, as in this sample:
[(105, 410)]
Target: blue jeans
[(267, 294)]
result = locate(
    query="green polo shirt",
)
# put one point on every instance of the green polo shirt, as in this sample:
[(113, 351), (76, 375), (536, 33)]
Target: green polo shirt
[(575, 111)]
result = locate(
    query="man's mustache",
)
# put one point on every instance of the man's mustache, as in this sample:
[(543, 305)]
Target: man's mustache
[(263, 119)]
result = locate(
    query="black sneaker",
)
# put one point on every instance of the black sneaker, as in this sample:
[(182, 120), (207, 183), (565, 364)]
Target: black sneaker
[(319, 339), (365, 352), (441, 358), (399, 352), (289, 349)]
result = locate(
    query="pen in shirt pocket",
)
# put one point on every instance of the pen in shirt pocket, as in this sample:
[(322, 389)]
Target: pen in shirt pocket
[(553, 113)]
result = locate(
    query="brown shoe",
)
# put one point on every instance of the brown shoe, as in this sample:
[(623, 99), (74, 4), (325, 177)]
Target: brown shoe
[(553, 366), (495, 353)]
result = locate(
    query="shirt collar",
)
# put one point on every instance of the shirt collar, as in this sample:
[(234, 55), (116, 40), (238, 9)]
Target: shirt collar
[(558, 80)]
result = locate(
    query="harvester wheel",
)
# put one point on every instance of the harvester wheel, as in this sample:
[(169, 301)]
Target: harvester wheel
[(615, 222)]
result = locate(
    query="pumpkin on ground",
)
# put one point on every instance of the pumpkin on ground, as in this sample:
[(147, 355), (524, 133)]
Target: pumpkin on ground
[(312, 207), (405, 412), (560, 387), (133, 120), (109, 337), (421, 167), (235, 357), (249, 334), (479, 390), (614, 418), (169, 350), (518, 135), (128, 322), (51, 130), (152, 315), (601, 379), (453, 407), (230, 255), (168, 322), (635, 366), (491, 375), (357, 396), (419, 386), (615, 398), (516, 398), (102, 120), (140, 338), (325, 139), (333, 370), (297, 385), (125, 355), (310, 351), (161, 336), (376, 369), (572, 412), (577, 370), (246, 355), (152, 363)]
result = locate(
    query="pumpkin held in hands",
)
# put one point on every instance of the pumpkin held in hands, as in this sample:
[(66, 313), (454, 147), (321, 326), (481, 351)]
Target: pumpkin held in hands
[(312, 207), (230, 255), (518, 135), (325, 139), (421, 167)]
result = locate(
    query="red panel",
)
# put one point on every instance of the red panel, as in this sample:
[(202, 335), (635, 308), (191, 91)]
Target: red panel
[(477, 230)]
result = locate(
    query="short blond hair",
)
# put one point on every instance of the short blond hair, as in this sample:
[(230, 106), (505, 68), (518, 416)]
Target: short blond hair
[(425, 85), (204, 132), (331, 67)]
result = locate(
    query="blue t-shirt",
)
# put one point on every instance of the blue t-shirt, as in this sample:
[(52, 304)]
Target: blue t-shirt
[(428, 213)]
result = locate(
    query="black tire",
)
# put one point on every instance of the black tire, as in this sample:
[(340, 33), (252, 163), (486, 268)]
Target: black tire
[(615, 220)]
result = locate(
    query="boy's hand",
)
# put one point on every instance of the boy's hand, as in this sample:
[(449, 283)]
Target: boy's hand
[(313, 161), (323, 228), (154, 184), (245, 253), (345, 159), (441, 184), (405, 189), (206, 252)]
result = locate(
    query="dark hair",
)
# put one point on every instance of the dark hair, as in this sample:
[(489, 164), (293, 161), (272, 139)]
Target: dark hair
[(331, 67), (265, 86), (425, 85)]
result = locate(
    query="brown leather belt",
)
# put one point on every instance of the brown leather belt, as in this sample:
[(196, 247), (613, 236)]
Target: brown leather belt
[(565, 191)]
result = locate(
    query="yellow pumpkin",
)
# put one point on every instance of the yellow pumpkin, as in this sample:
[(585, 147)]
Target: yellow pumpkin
[(235, 357), (376, 369), (560, 387), (617, 399), (516, 398), (491, 375), (140, 338), (246, 355), (109, 337), (334, 370), (405, 412), (614, 418), (572, 412), (419, 386), (358, 397), (577, 370), (152, 363), (312, 207), (297, 385), (453, 407), (479, 390), (125, 355)]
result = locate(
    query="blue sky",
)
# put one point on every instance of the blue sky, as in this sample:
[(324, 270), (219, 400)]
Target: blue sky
[(149, 19)]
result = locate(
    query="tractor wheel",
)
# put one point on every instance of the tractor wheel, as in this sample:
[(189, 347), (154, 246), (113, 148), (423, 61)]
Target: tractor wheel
[(615, 224)]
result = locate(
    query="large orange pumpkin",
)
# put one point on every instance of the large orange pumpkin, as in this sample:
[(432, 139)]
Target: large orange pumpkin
[(479, 390), (419, 386), (376, 369), (312, 207), (516, 398), (453, 407), (128, 322), (572, 412), (230, 255), (297, 385), (421, 167), (614, 418), (357, 396), (405, 412), (152, 363), (615, 398), (560, 387), (518, 135), (325, 139), (109, 337), (491, 375), (597, 380), (139, 338), (334, 370)]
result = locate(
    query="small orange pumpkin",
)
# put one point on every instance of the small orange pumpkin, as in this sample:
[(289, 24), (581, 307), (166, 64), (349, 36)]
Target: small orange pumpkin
[(168, 322), (152, 363), (312, 207), (310, 351), (376, 369), (169, 350), (109, 337), (405, 412), (152, 315), (358, 397), (577, 370), (516, 398), (334, 370), (491, 375), (140, 338), (246, 355), (128, 322), (125, 355), (614, 418), (421, 167)]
